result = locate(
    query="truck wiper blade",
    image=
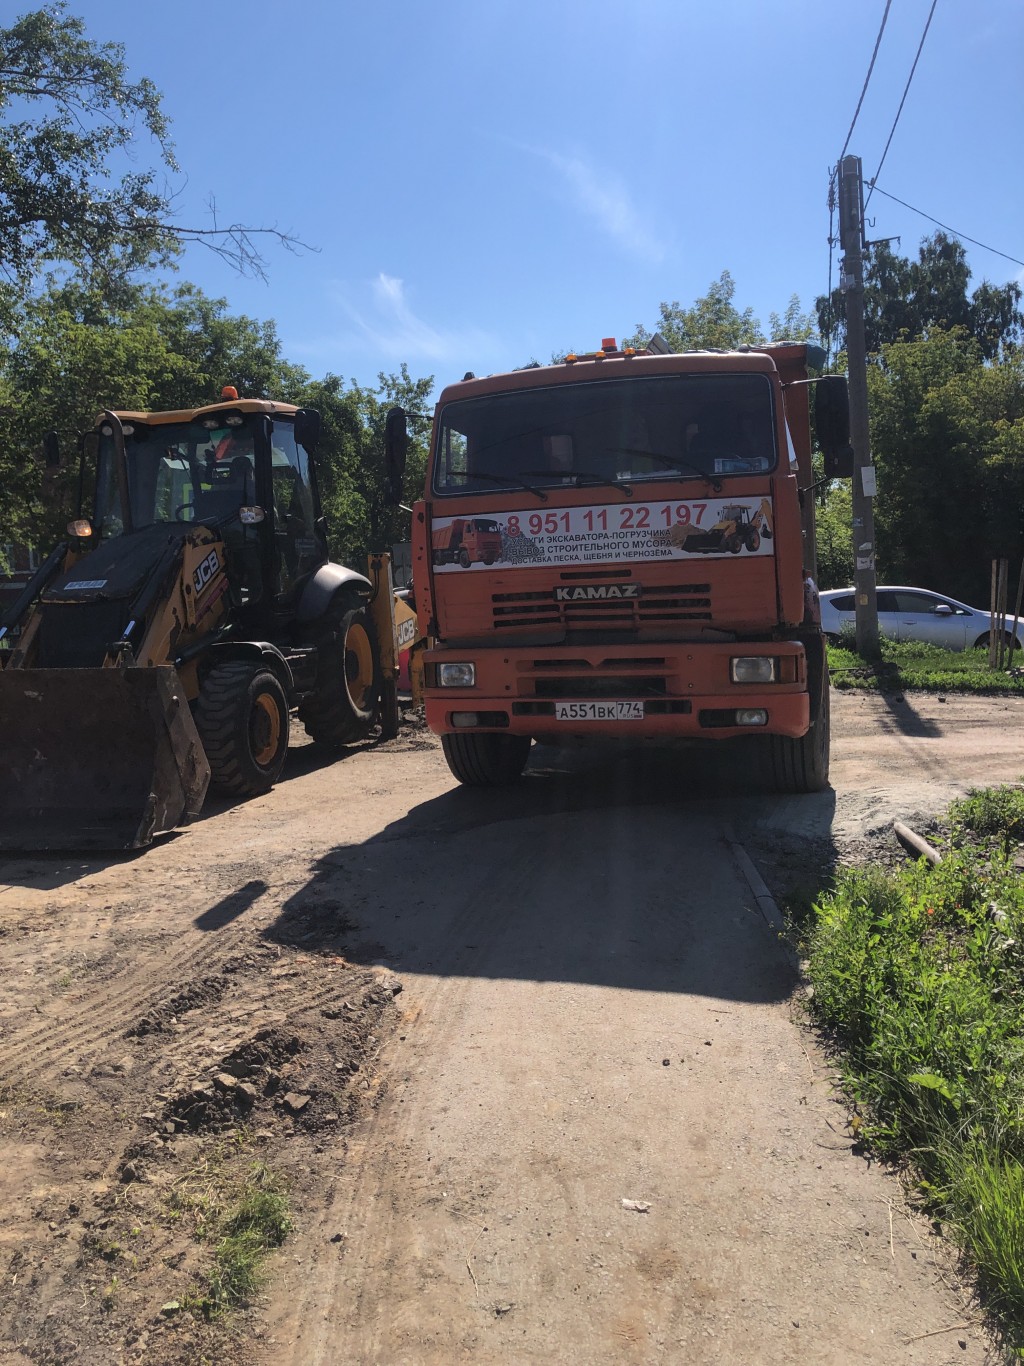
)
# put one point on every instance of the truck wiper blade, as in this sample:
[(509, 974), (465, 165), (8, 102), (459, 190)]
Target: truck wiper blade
[(505, 479), (578, 477), (671, 462)]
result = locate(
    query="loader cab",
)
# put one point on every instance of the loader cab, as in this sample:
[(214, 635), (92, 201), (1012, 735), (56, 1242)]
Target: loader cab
[(241, 473)]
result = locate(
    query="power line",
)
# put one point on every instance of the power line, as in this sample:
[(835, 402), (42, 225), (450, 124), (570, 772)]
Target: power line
[(962, 235), (899, 111), (867, 78)]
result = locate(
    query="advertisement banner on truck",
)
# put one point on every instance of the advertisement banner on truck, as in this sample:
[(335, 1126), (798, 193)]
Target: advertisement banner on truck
[(661, 530)]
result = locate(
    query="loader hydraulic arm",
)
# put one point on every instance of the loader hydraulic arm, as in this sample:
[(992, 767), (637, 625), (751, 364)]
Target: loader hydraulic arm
[(48, 570)]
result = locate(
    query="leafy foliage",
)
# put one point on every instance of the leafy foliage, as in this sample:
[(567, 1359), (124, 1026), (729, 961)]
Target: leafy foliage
[(918, 974), (151, 348), (67, 108), (914, 666), (907, 300), (71, 125), (947, 435)]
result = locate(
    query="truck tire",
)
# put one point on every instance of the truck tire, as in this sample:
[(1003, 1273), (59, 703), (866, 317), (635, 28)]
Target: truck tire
[(486, 760), (343, 708), (464, 559), (802, 765), (242, 720)]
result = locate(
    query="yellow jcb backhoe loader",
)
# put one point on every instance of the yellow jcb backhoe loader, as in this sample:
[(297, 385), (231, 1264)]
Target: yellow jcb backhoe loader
[(165, 643)]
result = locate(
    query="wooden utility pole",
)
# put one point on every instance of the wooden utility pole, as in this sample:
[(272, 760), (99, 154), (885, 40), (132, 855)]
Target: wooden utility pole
[(851, 229)]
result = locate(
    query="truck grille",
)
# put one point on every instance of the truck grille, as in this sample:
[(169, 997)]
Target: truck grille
[(657, 605)]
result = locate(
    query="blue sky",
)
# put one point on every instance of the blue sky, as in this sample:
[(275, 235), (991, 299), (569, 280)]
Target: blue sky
[(491, 182)]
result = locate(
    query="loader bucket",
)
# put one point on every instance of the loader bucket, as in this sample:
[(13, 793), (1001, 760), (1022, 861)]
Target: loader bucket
[(96, 758)]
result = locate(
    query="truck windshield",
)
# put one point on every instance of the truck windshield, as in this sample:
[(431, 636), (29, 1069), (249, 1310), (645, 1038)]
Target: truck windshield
[(177, 472), (643, 428)]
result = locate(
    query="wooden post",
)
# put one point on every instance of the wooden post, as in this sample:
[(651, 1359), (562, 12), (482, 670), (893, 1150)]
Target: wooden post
[(1016, 614), (992, 616)]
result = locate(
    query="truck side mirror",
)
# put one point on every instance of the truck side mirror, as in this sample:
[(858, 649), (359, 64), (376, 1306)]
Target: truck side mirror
[(832, 423), (307, 429), (51, 451), (396, 448)]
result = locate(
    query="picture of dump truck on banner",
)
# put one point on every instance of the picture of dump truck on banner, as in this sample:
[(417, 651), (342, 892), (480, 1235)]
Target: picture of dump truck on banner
[(656, 538)]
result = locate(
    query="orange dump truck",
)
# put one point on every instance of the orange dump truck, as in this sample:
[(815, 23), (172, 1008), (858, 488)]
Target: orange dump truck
[(466, 541), (651, 545)]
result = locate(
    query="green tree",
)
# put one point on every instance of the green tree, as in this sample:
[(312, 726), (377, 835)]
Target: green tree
[(713, 322), (353, 472), (904, 300), (157, 349), (947, 438), (70, 117)]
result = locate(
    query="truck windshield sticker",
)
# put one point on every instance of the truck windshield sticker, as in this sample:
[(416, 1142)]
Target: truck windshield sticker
[(605, 532)]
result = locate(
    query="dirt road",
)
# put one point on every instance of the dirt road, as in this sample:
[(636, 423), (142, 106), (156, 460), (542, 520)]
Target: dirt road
[(591, 1012)]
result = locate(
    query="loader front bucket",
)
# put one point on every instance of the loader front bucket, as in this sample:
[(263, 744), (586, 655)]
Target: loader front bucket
[(96, 758)]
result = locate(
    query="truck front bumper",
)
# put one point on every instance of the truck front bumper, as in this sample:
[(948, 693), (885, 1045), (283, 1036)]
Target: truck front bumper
[(663, 691)]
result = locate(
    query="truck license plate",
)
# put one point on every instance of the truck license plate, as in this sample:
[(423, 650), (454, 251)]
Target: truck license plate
[(599, 711)]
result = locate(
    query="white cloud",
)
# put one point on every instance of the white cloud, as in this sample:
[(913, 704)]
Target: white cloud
[(604, 198), (381, 320)]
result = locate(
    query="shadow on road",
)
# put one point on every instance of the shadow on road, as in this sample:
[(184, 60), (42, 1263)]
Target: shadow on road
[(906, 719), (604, 866)]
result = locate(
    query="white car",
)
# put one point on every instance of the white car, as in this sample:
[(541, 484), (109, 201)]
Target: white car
[(916, 614)]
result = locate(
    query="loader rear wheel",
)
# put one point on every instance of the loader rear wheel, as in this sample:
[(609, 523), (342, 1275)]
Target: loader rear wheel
[(482, 759), (242, 719), (344, 707), (802, 765)]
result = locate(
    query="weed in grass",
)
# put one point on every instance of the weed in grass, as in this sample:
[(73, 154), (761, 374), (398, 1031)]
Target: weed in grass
[(986, 1204), (991, 812), (244, 1230), (908, 665), (918, 974)]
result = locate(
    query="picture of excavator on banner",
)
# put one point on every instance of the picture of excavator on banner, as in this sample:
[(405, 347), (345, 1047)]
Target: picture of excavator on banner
[(736, 529)]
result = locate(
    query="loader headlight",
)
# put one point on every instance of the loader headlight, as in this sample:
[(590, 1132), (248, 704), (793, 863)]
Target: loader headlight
[(456, 675), (753, 669)]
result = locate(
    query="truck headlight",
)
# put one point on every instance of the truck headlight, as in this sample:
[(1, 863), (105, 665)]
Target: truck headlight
[(456, 675), (753, 669)]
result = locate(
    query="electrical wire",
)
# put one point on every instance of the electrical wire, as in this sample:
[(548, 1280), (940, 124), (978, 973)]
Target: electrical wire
[(867, 78), (962, 235), (835, 171), (899, 111)]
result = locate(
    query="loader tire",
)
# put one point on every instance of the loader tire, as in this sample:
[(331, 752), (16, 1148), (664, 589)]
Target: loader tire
[(483, 759), (343, 708), (802, 765), (242, 720)]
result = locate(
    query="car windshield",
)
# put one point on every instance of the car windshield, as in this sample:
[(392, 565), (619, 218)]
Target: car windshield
[(644, 428), (177, 472)]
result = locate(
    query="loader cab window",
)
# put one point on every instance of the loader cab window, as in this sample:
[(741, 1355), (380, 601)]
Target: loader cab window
[(299, 540)]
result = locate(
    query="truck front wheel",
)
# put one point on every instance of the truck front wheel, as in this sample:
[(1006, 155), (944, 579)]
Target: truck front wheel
[(486, 760), (802, 765)]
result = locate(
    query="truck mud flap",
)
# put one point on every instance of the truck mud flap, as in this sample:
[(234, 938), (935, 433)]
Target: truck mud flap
[(96, 758)]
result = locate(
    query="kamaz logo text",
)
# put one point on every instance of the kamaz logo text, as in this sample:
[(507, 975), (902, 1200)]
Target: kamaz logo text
[(597, 592), (206, 571)]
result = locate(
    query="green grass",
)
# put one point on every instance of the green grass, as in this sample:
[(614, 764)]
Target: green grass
[(918, 975), (913, 665), (242, 1227)]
